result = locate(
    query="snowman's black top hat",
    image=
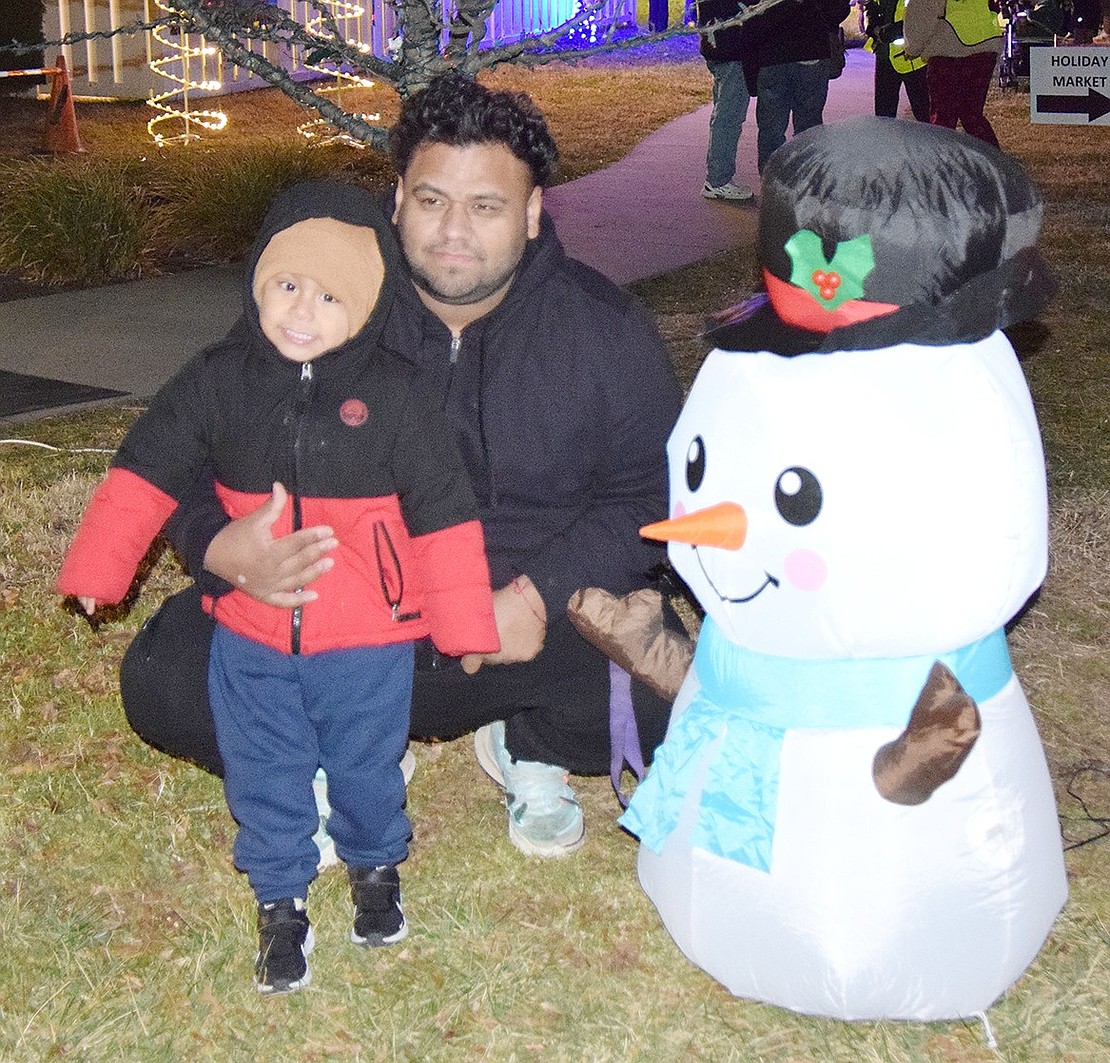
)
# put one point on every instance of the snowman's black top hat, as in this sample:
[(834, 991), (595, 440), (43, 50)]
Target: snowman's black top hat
[(877, 231)]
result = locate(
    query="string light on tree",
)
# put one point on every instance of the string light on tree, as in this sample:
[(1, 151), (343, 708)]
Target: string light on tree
[(587, 32), (177, 65), (318, 130)]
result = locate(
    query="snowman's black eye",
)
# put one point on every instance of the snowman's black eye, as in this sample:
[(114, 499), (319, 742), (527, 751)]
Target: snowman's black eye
[(797, 495), (695, 463)]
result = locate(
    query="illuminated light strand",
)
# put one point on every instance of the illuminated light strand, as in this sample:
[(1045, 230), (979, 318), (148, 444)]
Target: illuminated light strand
[(180, 52), (319, 130), (585, 33)]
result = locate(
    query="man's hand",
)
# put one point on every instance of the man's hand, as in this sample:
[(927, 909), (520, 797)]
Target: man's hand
[(521, 619), (274, 571)]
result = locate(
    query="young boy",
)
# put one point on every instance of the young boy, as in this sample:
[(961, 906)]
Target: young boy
[(301, 394)]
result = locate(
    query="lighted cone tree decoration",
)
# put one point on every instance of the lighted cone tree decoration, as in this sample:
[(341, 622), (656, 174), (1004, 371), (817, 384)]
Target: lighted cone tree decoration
[(177, 65), (345, 18)]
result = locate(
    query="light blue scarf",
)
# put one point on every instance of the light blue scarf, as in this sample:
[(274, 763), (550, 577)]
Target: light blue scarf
[(748, 701)]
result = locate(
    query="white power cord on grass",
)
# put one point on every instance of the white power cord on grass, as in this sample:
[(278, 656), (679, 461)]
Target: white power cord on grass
[(58, 450)]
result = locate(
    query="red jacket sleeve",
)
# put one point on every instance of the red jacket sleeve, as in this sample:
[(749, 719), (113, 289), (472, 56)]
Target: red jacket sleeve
[(124, 515), (458, 602)]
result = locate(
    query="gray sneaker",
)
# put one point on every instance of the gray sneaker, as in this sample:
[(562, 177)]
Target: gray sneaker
[(737, 193), (545, 819)]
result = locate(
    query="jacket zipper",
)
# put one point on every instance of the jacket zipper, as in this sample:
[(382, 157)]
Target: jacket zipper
[(295, 487), (456, 346), (381, 537)]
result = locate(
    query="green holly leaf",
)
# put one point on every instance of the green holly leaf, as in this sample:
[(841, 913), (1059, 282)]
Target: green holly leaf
[(834, 281)]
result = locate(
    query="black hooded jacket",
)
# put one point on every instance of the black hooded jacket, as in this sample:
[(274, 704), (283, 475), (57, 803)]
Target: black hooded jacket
[(562, 399), (355, 442)]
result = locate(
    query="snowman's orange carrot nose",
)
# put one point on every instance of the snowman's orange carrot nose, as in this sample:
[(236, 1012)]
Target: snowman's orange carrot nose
[(724, 525)]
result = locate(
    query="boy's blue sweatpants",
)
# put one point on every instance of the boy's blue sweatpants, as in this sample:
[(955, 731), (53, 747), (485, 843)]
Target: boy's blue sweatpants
[(278, 718)]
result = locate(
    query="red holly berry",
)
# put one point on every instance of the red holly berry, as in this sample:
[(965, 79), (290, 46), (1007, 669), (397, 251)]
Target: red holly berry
[(826, 283)]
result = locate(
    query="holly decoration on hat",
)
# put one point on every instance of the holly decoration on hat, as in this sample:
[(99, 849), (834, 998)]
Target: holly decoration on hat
[(831, 281)]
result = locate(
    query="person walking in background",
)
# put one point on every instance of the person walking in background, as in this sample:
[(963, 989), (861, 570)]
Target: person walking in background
[(786, 63), (722, 53), (883, 23), (961, 40)]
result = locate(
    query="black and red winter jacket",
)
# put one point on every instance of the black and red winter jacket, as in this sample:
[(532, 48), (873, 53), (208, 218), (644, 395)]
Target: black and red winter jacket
[(355, 444)]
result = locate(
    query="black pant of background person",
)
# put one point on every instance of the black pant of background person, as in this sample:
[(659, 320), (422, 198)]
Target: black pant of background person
[(556, 706), (658, 15), (888, 85)]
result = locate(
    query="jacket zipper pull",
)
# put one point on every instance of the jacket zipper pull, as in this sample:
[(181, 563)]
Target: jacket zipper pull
[(456, 346), (306, 372)]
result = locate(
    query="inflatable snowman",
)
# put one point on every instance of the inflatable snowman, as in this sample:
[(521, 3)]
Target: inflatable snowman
[(851, 814)]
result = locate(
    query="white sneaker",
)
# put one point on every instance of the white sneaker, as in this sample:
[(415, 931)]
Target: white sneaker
[(545, 818), (408, 766), (323, 840), (735, 192)]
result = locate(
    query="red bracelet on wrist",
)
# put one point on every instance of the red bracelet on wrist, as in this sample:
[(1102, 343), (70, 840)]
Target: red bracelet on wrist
[(519, 588)]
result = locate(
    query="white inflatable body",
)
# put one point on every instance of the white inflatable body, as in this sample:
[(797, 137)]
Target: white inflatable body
[(768, 851)]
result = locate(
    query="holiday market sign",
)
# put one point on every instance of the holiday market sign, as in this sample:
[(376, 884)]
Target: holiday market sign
[(1069, 86)]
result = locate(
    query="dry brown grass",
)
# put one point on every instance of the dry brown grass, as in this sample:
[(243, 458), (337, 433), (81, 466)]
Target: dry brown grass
[(598, 113)]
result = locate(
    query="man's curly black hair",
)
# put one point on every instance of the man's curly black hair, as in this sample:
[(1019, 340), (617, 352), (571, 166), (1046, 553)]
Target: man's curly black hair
[(457, 111)]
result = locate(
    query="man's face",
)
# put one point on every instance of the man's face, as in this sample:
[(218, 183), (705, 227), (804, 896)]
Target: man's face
[(464, 216)]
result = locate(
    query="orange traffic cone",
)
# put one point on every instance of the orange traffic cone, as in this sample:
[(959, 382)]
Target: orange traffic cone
[(61, 136)]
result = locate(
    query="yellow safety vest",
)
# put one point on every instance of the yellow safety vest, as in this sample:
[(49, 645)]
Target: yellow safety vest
[(896, 50), (973, 21)]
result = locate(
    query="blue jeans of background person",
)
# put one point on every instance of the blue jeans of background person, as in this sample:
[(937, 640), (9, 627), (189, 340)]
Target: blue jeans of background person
[(281, 716), (730, 106), (789, 90)]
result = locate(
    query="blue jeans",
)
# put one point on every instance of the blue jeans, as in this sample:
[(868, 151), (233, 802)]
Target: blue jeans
[(786, 90), (278, 718), (730, 106)]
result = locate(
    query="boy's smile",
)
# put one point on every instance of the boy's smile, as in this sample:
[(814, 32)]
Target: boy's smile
[(300, 318)]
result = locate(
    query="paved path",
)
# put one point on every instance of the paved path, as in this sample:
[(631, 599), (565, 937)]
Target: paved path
[(646, 214), (643, 216)]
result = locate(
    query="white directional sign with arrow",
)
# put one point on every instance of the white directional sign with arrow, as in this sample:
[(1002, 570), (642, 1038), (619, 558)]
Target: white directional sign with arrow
[(1069, 86)]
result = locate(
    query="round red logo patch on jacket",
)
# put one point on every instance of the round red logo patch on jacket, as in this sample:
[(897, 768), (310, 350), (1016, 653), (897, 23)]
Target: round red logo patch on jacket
[(353, 413)]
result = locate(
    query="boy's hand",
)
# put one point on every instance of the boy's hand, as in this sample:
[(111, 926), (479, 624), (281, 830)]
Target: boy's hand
[(274, 571), (521, 619)]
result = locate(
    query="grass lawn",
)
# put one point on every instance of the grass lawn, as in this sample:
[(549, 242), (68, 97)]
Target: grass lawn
[(129, 936)]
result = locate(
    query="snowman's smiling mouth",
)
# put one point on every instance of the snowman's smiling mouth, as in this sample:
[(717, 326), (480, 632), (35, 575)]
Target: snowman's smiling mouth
[(769, 581)]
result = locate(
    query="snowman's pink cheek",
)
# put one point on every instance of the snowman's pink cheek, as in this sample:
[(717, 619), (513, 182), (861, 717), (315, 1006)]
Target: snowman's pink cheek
[(679, 511), (806, 570)]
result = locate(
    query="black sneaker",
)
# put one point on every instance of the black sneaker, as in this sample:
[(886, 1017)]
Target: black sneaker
[(379, 918), (285, 939)]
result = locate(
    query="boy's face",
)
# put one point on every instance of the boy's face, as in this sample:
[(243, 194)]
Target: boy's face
[(300, 318)]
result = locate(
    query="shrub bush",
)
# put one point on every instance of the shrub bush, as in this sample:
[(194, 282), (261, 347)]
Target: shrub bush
[(89, 220), (81, 220), (212, 200)]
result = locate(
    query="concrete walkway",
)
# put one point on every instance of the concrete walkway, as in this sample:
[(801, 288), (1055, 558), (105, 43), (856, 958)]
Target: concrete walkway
[(643, 216)]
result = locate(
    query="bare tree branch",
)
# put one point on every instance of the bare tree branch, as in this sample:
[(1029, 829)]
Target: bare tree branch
[(355, 127), (429, 43)]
